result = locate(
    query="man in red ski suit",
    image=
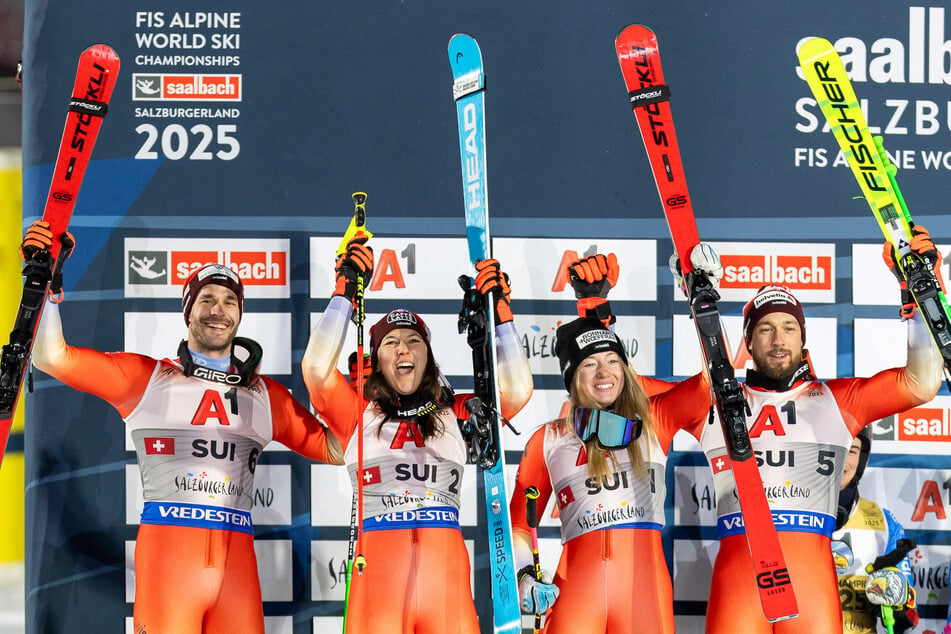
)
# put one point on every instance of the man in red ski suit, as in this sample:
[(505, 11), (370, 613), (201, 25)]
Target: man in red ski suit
[(199, 424), (801, 430)]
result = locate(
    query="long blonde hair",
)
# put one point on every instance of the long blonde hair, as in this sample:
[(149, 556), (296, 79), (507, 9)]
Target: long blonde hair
[(631, 402)]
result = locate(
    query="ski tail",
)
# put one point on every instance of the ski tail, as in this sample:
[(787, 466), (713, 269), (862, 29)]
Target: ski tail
[(92, 89), (639, 59), (477, 317), (829, 82)]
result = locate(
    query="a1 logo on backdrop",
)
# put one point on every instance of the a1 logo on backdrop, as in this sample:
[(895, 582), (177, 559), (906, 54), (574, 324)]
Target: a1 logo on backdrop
[(404, 268)]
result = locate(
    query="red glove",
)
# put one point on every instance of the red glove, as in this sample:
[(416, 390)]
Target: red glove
[(356, 261), (38, 238), (591, 278), (352, 364), (491, 279), (923, 246)]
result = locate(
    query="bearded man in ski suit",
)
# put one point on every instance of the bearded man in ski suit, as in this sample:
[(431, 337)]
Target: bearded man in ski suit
[(802, 429), (199, 424)]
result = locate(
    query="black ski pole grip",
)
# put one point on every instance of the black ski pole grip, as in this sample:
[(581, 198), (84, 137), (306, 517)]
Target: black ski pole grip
[(531, 506)]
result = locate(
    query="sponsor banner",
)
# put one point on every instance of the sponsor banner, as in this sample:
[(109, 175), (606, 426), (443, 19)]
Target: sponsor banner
[(684, 441), (694, 498), (272, 495), (693, 569), (890, 338), (929, 565), (129, 572), (538, 335), (331, 495), (158, 267), (403, 268), (806, 268), (185, 87), (157, 335), (279, 624), (328, 575), (539, 266), (917, 497), (275, 568), (454, 356), (872, 283), (821, 341)]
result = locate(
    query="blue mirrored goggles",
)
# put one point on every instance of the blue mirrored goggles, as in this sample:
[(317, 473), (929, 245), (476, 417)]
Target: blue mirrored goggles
[(612, 430)]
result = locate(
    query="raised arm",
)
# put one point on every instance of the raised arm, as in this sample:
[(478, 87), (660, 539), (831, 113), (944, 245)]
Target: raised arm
[(514, 374), (119, 378)]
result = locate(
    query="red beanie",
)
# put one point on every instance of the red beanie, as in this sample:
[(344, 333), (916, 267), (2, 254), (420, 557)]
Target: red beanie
[(399, 318), (772, 298), (211, 274)]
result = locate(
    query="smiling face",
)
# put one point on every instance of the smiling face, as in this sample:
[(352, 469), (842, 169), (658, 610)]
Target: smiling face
[(851, 462), (600, 377), (402, 359), (776, 346), (214, 321)]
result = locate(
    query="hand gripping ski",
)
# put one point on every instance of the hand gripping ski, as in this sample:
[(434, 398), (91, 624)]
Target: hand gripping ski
[(639, 59)]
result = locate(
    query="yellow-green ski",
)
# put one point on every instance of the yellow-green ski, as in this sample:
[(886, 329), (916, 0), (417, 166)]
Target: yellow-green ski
[(830, 84)]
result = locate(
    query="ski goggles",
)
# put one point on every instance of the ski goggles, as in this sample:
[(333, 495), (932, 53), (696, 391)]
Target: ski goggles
[(612, 430)]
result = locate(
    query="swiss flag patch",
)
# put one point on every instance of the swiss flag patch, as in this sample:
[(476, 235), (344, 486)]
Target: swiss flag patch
[(721, 463), (565, 497), (371, 475), (163, 446)]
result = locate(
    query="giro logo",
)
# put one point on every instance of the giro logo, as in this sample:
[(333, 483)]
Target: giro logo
[(773, 578)]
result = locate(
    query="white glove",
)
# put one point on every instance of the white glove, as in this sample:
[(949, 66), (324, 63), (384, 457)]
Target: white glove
[(537, 597), (702, 257)]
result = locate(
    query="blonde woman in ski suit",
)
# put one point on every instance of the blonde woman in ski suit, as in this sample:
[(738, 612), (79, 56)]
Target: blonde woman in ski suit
[(604, 463), (417, 574)]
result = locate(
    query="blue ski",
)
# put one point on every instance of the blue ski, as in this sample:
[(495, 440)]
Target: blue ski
[(468, 90)]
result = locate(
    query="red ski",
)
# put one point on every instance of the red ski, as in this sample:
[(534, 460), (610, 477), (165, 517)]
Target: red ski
[(649, 96), (95, 79)]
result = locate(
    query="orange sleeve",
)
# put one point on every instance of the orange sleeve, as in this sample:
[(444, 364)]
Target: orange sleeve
[(652, 386), (865, 400), (532, 471), (684, 406), (298, 429), (337, 404), (119, 378)]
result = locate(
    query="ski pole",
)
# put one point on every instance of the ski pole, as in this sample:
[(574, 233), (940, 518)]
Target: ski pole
[(357, 228), (531, 514)]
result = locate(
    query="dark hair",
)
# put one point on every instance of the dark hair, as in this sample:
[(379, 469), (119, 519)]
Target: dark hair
[(430, 389)]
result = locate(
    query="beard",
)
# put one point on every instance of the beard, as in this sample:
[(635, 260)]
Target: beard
[(208, 345), (778, 372)]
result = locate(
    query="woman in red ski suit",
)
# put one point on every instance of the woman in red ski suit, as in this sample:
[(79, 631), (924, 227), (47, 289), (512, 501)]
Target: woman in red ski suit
[(612, 577), (417, 574)]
